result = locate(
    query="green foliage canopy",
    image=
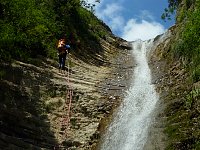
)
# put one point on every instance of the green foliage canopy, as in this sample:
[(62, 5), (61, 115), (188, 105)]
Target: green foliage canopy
[(31, 28), (26, 27)]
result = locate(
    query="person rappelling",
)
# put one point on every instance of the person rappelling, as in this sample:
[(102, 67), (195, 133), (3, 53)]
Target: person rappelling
[(63, 50)]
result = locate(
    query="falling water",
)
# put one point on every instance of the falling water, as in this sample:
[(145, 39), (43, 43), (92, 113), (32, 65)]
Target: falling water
[(129, 129)]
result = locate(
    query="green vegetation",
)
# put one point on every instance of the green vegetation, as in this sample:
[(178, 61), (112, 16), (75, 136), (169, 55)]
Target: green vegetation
[(183, 110), (172, 6), (191, 98), (31, 28), (2, 74), (26, 28), (188, 45)]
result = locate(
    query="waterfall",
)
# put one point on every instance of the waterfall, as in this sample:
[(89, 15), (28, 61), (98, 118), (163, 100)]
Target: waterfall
[(129, 129)]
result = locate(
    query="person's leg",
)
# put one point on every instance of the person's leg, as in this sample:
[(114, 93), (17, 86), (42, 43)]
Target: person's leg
[(60, 60), (63, 60)]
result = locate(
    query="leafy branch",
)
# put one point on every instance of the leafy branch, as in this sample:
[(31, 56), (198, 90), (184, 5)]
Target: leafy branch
[(172, 6)]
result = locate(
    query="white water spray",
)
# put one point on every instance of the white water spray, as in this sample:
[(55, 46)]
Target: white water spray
[(129, 129)]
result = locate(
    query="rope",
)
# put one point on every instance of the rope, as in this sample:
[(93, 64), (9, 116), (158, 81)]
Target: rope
[(69, 94), (66, 118)]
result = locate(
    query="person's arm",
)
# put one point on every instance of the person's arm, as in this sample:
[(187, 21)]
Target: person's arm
[(67, 47)]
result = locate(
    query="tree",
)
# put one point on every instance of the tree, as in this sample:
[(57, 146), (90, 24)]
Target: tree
[(26, 27), (172, 6)]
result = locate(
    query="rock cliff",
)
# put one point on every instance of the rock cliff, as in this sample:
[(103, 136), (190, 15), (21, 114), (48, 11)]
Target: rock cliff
[(34, 100)]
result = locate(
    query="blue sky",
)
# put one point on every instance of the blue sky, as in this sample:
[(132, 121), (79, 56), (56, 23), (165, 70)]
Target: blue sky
[(133, 19)]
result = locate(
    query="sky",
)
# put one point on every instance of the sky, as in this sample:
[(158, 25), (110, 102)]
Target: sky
[(133, 19)]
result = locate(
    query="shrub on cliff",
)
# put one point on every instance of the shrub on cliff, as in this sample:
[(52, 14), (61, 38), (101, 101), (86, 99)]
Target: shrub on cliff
[(188, 45)]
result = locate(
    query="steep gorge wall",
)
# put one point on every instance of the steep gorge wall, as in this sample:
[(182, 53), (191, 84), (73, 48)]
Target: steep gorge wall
[(177, 122), (33, 98)]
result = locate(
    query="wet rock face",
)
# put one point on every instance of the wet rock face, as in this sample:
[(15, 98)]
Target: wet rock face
[(34, 100), (125, 45), (156, 137), (176, 123)]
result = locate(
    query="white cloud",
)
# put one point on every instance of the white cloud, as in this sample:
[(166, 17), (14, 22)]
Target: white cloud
[(146, 15), (111, 14), (143, 30), (112, 9), (91, 1), (117, 23)]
